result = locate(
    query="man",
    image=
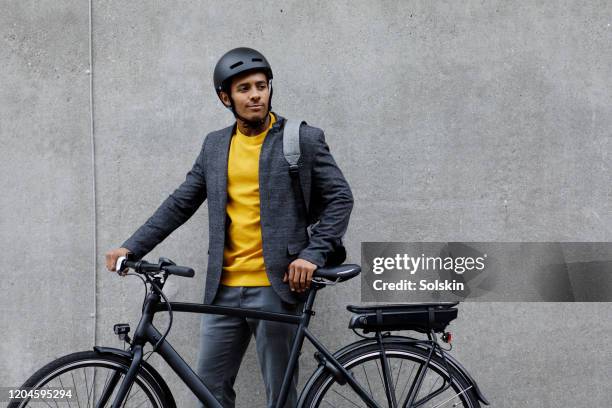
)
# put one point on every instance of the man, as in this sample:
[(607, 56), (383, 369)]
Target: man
[(260, 252)]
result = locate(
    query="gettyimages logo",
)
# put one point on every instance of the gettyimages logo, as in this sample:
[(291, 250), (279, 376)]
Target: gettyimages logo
[(486, 271), (416, 264), (428, 263)]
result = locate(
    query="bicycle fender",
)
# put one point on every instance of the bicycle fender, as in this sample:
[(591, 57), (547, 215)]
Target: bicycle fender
[(457, 365), (146, 367), (112, 350)]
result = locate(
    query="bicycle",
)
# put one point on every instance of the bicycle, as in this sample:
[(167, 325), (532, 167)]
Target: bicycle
[(368, 372)]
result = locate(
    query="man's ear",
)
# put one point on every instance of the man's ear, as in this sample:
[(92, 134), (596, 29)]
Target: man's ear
[(225, 98)]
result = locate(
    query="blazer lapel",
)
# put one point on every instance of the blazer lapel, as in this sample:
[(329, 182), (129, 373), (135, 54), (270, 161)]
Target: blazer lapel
[(266, 163), (224, 146)]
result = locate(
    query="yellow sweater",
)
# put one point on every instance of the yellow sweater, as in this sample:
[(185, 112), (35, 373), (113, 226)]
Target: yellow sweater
[(243, 263)]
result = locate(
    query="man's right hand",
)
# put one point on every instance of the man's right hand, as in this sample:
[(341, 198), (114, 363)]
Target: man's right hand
[(113, 255)]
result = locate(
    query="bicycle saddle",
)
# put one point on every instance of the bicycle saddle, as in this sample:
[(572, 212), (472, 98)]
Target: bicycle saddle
[(339, 273)]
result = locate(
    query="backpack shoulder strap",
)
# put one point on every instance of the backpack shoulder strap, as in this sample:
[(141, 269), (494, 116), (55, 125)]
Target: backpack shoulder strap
[(291, 150), (291, 143)]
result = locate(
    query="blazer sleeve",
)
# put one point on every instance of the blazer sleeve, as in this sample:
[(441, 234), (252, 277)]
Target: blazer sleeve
[(336, 202), (173, 212)]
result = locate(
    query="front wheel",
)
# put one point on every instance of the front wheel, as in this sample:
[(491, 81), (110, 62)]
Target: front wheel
[(405, 362), (92, 379)]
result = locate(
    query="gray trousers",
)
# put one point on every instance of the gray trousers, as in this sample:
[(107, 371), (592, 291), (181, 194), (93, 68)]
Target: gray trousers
[(224, 339)]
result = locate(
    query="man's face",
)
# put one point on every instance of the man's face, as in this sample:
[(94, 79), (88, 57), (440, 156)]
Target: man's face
[(251, 95)]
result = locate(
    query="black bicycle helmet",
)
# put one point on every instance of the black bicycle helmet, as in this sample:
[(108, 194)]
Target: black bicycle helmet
[(237, 61)]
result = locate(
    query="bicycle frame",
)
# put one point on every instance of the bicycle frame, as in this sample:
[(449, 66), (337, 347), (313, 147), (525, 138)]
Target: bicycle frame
[(147, 333)]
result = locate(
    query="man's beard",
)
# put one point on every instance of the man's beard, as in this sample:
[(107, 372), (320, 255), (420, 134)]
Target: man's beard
[(253, 124)]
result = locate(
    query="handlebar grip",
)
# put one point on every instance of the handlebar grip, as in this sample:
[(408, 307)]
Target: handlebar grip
[(128, 264), (140, 266), (119, 264), (180, 271)]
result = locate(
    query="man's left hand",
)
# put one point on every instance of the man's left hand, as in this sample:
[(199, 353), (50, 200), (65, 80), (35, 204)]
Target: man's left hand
[(299, 275)]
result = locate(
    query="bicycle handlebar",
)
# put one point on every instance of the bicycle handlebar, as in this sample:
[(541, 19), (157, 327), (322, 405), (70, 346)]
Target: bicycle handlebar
[(185, 271), (147, 268)]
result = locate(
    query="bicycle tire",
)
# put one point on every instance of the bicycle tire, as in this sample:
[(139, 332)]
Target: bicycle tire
[(319, 392), (99, 367)]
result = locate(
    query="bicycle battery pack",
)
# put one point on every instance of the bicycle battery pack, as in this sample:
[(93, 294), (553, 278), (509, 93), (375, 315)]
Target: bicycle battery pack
[(421, 317)]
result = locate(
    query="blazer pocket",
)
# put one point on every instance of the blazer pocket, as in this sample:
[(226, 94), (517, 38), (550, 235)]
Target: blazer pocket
[(294, 248)]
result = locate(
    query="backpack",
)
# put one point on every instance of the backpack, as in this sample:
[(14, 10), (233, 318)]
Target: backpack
[(291, 150)]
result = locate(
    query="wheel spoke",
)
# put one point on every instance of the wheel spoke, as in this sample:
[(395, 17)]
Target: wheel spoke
[(407, 381), (143, 401), (346, 398), (128, 396), (97, 376), (367, 380), (112, 382), (47, 404), (406, 366), (108, 377), (433, 385), (75, 389), (398, 374), (379, 373), (93, 387), (136, 393), (453, 397), (86, 386), (62, 386)]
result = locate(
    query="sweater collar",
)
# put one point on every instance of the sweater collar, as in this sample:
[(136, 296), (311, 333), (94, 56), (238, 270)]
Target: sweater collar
[(277, 126)]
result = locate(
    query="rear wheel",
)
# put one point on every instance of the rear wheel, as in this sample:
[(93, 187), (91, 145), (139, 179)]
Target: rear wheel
[(405, 362), (93, 380)]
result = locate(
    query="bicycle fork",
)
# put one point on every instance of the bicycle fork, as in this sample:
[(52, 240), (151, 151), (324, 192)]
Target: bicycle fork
[(126, 384)]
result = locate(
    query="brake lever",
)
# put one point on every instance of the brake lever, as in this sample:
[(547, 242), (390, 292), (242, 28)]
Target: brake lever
[(163, 261)]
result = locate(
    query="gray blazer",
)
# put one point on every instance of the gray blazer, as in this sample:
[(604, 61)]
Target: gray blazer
[(283, 217)]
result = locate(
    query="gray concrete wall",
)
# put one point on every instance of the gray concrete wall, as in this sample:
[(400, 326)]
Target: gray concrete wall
[(462, 121)]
